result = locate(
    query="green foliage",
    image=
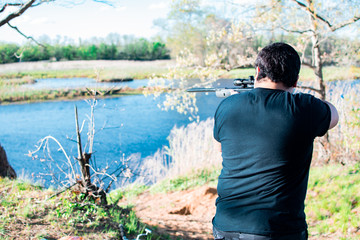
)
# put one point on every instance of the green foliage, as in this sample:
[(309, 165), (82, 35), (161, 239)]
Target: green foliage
[(137, 49), (7, 53)]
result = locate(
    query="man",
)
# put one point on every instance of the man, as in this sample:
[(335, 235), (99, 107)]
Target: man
[(266, 138)]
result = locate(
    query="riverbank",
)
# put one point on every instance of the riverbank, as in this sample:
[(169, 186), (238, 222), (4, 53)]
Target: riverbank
[(170, 208), (22, 97), (13, 76)]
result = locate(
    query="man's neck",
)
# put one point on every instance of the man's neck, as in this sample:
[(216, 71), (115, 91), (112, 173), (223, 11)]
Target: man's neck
[(267, 83)]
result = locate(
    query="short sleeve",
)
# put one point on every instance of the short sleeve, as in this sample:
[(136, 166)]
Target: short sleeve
[(320, 116)]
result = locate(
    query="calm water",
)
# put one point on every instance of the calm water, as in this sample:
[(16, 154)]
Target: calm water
[(125, 125)]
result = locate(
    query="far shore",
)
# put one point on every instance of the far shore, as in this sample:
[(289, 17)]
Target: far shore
[(13, 75), (82, 64)]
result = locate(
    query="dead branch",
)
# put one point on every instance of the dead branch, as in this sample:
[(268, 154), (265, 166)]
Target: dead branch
[(18, 13), (42, 143), (305, 63), (296, 31), (27, 37), (9, 4), (310, 88)]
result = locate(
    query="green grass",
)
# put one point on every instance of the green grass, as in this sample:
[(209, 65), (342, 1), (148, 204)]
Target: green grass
[(333, 201), (23, 204), (192, 180)]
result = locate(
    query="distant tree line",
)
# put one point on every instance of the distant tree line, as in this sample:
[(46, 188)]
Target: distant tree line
[(136, 49)]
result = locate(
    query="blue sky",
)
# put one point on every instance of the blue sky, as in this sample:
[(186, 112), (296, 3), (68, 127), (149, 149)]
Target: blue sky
[(90, 19)]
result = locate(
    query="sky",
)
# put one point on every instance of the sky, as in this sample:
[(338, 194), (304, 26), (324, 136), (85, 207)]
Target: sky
[(94, 19), (87, 20)]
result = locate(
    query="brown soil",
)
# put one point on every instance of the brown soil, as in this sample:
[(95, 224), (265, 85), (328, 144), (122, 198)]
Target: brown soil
[(181, 215)]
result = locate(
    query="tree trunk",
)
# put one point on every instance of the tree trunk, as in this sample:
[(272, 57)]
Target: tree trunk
[(5, 169), (318, 70), (82, 158), (89, 188)]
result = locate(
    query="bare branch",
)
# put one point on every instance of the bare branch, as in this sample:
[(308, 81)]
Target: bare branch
[(296, 31), (317, 16), (20, 11), (27, 37), (9, 4), (43, 142), (308, 64), (310, 88), (344, 24)]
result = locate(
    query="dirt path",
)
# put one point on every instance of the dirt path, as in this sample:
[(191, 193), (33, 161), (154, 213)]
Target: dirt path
[(186, 214)]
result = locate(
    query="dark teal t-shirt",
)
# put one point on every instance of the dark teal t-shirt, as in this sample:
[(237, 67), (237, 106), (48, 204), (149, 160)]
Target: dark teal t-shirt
[(267, 139)]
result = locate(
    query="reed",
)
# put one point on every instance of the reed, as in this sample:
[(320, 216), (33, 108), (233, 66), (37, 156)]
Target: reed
[(191, 149)]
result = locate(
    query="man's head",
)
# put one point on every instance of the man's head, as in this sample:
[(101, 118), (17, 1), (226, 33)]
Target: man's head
[(280, 63)]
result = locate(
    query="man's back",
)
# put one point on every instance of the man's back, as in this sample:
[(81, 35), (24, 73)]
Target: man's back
[(266, 137)]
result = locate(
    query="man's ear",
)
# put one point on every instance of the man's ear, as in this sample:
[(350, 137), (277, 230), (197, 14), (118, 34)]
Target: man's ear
[(257, 73)]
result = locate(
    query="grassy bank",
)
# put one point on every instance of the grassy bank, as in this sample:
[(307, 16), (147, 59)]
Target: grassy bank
[(332, 207), (31, 212), (9, 95), (12, 76)]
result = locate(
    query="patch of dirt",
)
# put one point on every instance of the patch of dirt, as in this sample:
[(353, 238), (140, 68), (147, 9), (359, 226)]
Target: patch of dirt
[(184, 214)]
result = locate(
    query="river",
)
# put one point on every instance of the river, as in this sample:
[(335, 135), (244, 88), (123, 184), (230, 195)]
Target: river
[(124, 126)]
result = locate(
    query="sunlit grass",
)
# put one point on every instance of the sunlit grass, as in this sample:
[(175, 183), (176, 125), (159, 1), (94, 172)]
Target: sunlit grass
[(333, 201)]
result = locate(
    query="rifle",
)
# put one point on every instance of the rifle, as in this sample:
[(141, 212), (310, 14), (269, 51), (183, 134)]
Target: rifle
[(240, 84)]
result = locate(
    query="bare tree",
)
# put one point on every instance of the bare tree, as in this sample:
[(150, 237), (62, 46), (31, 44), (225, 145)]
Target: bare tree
[(81, 172), (314, 21)]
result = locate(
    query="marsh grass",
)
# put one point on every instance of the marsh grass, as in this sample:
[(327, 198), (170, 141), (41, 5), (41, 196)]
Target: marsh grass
[(345, 137), (191, 149)]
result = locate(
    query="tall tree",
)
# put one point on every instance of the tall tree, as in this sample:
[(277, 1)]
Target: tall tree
[(314, 21)]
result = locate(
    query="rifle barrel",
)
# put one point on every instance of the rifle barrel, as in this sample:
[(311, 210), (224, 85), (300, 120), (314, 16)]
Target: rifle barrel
[(201, 90)]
